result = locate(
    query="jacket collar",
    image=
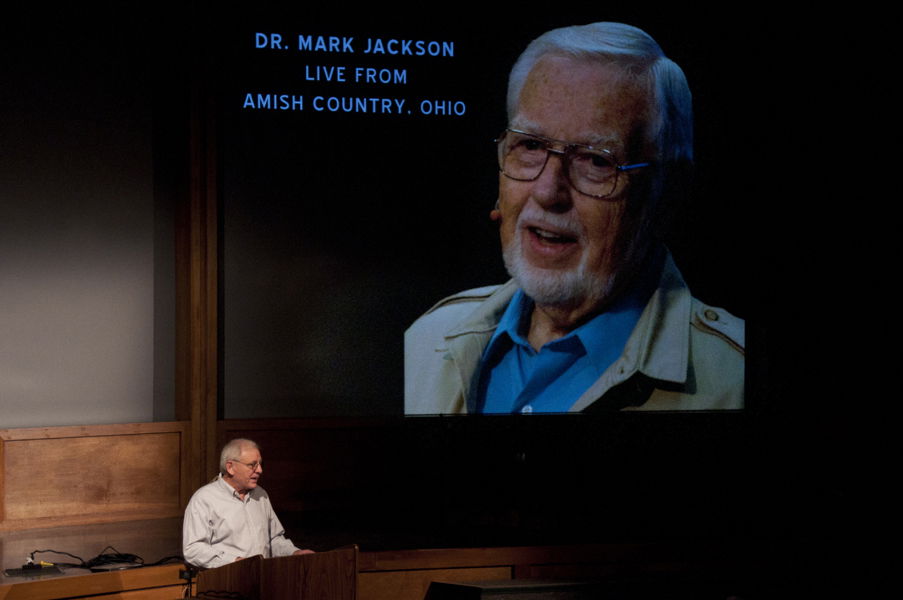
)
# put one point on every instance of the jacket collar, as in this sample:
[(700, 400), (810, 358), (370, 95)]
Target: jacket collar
[(658, 347)]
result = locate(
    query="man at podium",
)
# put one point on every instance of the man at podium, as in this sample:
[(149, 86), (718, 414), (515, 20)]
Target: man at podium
[(231, 517)]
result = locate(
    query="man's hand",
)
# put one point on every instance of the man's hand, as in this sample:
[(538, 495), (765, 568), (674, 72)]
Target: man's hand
[(300, 552)]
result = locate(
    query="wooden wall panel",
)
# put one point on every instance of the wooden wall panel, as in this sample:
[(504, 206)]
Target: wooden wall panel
[(161, 593), (94, 474), (412, 585), (148, 583), (152, 539)]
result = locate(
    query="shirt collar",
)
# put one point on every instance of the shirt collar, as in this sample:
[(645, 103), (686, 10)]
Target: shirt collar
[(512, 323), (596, 336), (231, 490)]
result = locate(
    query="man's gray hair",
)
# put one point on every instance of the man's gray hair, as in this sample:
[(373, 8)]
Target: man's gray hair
[(671, 126), (232, 451)]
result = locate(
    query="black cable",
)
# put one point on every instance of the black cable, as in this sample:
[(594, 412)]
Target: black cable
[(115, 557), (107, 558), (104, 558), (81, 562)]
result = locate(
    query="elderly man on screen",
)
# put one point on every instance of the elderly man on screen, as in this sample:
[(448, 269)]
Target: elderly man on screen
[(231, 517), (596, 315)]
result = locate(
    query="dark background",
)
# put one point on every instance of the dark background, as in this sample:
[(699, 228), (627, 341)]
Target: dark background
[(325, 265), (339, 230), (319, 257)]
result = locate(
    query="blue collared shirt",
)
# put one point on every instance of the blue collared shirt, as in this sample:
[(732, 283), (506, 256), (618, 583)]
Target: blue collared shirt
[(516, 378)]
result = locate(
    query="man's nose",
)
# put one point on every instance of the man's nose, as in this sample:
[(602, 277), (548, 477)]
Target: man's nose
[(551, 189)]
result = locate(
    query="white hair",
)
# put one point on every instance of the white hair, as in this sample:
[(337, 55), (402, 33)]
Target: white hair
[(232, 451), (671, 126)]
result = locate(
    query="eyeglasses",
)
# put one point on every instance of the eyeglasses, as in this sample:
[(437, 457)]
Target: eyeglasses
[(251, 465), (590, 171)]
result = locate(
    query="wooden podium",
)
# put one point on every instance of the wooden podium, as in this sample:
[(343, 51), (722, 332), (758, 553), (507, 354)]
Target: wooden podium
[(330, 574)]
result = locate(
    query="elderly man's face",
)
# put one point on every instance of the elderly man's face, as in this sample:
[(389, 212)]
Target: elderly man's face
[(557, 242), (244, 477)]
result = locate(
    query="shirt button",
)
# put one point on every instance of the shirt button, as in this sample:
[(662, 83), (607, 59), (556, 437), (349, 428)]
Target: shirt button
[(526, 410), (711, 315)]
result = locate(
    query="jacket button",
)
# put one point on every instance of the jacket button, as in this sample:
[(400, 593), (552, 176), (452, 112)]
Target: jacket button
[(711, 315)]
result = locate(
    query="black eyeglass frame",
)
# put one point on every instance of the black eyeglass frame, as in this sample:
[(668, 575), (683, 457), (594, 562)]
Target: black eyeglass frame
[(566, 150)]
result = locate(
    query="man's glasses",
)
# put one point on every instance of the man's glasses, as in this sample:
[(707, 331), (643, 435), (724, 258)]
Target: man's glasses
[(591, 171), (251, 465)]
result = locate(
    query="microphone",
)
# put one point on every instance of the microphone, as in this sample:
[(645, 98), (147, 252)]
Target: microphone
[(495, 214)]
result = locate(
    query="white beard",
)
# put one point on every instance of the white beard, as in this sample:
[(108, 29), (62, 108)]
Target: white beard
[(554, 287)]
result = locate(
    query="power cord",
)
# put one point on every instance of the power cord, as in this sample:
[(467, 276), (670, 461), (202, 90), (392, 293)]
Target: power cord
[(113, 557), (30, 563)]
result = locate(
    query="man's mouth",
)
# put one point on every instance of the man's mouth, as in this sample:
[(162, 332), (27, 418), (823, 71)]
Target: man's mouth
[(551, 237)]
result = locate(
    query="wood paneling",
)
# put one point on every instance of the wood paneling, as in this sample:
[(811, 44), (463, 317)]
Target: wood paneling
[(412, 585), (516, 556), (161, 593), (58, 476), (147, 583), (330, 575), (718, 569), (240, 578), (152, 540), (197, 309)]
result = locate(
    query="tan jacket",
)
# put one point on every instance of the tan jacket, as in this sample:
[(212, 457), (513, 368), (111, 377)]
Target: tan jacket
[(682, 354)]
